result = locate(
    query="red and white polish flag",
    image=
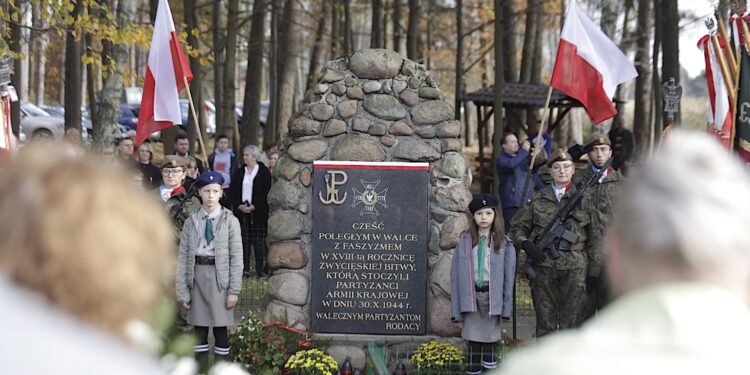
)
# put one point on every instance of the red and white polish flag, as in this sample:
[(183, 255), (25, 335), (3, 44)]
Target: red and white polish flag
[(719, 114), (589, 66), (167, 65)]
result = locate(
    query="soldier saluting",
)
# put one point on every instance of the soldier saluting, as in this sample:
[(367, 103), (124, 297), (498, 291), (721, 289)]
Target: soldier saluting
[(557, 289), (602, 197)]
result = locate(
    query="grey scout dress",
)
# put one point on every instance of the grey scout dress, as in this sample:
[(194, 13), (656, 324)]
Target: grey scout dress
[(206, 288)]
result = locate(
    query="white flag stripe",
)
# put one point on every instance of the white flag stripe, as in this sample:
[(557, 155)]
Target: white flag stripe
[(596, 48), (721, 104), (161, 65)]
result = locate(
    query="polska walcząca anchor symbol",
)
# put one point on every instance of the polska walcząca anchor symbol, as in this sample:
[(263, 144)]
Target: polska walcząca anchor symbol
[(332, 191), (370, 197)]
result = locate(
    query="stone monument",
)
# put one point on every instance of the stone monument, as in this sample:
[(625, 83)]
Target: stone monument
[(371, 106)]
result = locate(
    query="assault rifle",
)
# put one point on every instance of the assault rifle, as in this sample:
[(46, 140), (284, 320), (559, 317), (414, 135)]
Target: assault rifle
[(177, 208), (555, 236)]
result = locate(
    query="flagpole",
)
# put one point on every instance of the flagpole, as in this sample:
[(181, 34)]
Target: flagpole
[(537, 146), (727, 50), (195, 117), (728, 79)]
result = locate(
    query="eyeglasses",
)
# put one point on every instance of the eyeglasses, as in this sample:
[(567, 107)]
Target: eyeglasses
[(171, 172), (561, 167)]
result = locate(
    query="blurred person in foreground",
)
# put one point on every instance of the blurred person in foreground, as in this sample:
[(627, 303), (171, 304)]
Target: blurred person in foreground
[(79, 273), (678, 256)]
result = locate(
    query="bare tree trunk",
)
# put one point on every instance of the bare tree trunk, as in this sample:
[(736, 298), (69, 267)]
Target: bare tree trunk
[(218, 65), (229, 88), (38, 43), (377, 37), (318, 52), (641, 122), (459, 58), (499, 113), (109, 103), (196, 86), (348, 40), (397, 16), (288, 52), (273, 72), (527, 53), (611, 9), (251, 104), (657, 103), (335, 28), (412, 32), (73, 79), (670, 63), (92, 77), (625, 46), (15, 77), (510, 71), (536, 61)]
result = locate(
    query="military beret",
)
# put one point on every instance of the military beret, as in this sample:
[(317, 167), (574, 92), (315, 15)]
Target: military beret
[(598, 139), (173, 161), (559, 155), (208, 178), (481, 201)]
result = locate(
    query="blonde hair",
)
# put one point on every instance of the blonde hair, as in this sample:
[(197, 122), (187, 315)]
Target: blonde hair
[(148, 147), (77, 232)]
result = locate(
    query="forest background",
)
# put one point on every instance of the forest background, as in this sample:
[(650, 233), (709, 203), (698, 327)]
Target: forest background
[(75, 53)]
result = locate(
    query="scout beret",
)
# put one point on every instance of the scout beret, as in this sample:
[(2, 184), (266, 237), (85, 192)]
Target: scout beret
[(208, 178), (481, 201), (598, 139), (559, 155), (173, 161)]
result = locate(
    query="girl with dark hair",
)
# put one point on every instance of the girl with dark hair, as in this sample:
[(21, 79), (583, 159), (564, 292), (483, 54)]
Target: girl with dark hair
[(482, 278)]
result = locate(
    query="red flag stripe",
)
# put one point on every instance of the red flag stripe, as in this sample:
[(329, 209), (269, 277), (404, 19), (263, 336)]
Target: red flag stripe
[(577, 78)]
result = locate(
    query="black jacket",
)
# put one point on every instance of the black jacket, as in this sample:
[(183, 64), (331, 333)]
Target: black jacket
[(151, 175), (261, 186)]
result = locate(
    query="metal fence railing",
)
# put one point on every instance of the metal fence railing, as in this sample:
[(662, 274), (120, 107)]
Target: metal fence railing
[(252, 296)]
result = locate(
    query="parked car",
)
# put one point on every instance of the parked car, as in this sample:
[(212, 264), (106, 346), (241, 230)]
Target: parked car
[(38, 124), (128, 116), (120, 132), (208, 108), (263, 112)]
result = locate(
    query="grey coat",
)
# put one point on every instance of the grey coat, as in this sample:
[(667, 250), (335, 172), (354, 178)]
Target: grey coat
[(502, 278), (228, 248)]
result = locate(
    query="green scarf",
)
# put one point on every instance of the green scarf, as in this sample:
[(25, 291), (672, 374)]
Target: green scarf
[(480, 261)]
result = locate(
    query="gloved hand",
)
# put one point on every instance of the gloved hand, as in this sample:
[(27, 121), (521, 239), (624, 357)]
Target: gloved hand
[(576, 151), (533, 252), (592, 282)]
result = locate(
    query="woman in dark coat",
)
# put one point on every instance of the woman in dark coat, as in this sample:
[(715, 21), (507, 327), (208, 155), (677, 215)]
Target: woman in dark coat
[(248, 193)]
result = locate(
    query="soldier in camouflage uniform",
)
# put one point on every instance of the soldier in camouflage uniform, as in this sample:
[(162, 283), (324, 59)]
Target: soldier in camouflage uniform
[(602, 197), (172, 192), (179, 207), (558, 288)]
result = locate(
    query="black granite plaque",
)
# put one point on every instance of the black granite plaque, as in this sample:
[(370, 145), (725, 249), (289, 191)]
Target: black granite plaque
[(369, 247)]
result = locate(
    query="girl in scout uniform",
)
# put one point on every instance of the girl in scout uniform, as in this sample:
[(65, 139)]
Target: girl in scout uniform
[(209, 268), (482, 278)]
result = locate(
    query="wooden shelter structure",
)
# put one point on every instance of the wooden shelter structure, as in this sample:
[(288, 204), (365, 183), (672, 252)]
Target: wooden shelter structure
[(522, 96)]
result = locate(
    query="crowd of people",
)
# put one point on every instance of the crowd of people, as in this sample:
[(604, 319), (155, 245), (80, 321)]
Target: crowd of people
[(657, 249)]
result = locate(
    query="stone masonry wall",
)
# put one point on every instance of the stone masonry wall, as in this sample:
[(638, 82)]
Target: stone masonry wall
[(375, 106)]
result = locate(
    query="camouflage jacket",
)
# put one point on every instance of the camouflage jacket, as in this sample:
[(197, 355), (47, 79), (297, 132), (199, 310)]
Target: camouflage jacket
[(602, 198), (532, 219), (190, 206)]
